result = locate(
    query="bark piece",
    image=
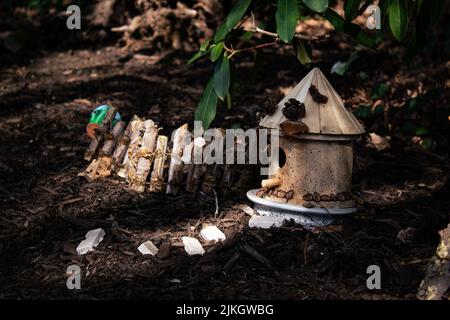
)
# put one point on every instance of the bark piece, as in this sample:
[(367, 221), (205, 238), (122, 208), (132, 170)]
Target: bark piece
[(256, 255), (317, 96), (230, 263), (291, 128), (437, 278), (157, 177), (164, 250)]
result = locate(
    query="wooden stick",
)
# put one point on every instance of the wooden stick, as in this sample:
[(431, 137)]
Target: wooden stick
[(95, 143), (91, 170), (227, 176), (176, 165), (209, 181), (122, 146), (145, 156), (197, 170), (136, 131), (102, 166), (269, 183), (157, 177), (194, 177), (437, 278), (111, 139)]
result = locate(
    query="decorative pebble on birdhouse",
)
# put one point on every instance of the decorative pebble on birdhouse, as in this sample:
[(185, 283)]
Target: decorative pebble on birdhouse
[(316, 134)]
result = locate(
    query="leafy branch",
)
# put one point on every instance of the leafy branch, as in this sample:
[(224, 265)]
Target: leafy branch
[(222, 48)]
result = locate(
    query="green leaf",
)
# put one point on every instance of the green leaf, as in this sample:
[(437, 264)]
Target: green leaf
[(316, 5), (351, 8), (286, 18), (364, 39), (427, 143), (206, 108), (216, 51), (221, 33), (335, 19), (231, 20), (421, 131), (380, 91), (363, 76), (204, 45), (398, 19), (246, 36), (302, 51), (196, 56), (352, 29), (237, 13), (363, 112), (384, 5), (222, 77)]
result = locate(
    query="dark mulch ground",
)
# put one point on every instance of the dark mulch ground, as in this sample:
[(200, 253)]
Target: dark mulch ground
[(46, 208)]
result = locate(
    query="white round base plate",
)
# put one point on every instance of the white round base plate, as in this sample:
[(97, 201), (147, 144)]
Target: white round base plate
[(310, 217), (251, 194)]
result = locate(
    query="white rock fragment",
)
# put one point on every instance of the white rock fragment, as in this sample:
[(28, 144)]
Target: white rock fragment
[(148, 248), (187, 153), (248, 210), (212, 233), (192, 246), (199, 142), (379, 142), (265, 222), (92, 239)]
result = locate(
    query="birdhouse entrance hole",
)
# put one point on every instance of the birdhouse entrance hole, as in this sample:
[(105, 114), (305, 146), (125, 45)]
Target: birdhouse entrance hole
[(281, 157)]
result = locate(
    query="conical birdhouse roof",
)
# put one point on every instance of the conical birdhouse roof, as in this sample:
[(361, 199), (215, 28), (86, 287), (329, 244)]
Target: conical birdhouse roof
[(330, 118)]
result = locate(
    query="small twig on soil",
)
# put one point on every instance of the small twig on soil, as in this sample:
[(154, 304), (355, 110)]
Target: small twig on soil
[(256, 255), (217, 204), (230, 263)]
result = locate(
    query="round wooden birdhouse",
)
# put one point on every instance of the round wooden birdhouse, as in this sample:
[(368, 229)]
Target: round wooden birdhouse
[(316, 134)]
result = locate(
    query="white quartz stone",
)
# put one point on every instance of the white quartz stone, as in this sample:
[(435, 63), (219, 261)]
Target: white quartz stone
[(265, 222), (192, 246), (92, 239), (148, 248), (212, 233)]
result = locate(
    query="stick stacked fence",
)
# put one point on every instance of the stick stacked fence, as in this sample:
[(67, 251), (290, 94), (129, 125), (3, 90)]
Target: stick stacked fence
[(150, 162)]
